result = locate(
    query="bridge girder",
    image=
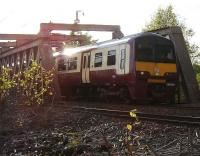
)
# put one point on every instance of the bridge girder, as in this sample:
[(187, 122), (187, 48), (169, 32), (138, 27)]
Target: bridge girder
[(188, 76)]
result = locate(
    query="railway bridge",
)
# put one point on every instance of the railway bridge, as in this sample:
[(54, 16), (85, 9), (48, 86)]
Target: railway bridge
[(19, 49)]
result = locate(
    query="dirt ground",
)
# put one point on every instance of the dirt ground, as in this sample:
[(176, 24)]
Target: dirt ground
[(52, 130)]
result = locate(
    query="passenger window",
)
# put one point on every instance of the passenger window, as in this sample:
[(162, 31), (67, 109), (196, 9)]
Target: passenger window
[(72, 63), (111, 57), (98, 60), (61, 65)]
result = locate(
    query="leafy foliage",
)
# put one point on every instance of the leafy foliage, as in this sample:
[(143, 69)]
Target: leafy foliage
[(163, 18), (35, 83), (131, 139), (6, 83), (198, 79), (167, 18), (196, 68), (87, 39)]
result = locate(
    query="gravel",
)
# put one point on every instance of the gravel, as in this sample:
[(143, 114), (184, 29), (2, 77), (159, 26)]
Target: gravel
[(59, 132), (56, 131)]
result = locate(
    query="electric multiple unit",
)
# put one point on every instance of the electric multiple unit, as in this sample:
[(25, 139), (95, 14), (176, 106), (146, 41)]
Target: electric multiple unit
[(141, 66)]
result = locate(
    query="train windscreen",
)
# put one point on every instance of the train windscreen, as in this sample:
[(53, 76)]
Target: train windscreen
[(155, 52), (164, 53), (144, 52)]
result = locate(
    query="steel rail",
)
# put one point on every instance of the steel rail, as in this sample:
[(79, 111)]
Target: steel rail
[(187, 120)]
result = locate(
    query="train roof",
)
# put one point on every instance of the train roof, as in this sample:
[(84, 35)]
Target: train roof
[(105, 44)]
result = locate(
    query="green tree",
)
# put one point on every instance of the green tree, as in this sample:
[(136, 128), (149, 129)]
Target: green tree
[(198, 79), (166, 18), (87, 39), (196, 68)]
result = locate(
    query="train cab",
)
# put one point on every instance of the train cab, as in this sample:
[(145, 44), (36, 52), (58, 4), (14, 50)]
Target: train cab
[(155, 65)]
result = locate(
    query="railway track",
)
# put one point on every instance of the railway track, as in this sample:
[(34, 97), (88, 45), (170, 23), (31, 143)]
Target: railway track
[(187, 120), (161, 140)]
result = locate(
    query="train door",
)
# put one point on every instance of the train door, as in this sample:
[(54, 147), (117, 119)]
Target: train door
[(123, 60), (86, 68)]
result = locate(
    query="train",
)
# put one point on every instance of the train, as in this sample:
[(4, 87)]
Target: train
[(136, 67)]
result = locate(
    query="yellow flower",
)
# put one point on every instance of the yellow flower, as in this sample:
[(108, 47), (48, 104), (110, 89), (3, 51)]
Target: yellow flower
[(133, 113), (129, 127)]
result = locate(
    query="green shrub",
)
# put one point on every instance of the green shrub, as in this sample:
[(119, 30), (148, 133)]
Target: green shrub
[(7, 81), (36, 84)]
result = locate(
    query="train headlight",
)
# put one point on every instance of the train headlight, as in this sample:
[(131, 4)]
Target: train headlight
[(157, 74), (142, 74), (171, 75), (170, 84)]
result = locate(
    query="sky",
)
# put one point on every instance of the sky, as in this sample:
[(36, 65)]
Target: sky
[(25, 16)]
